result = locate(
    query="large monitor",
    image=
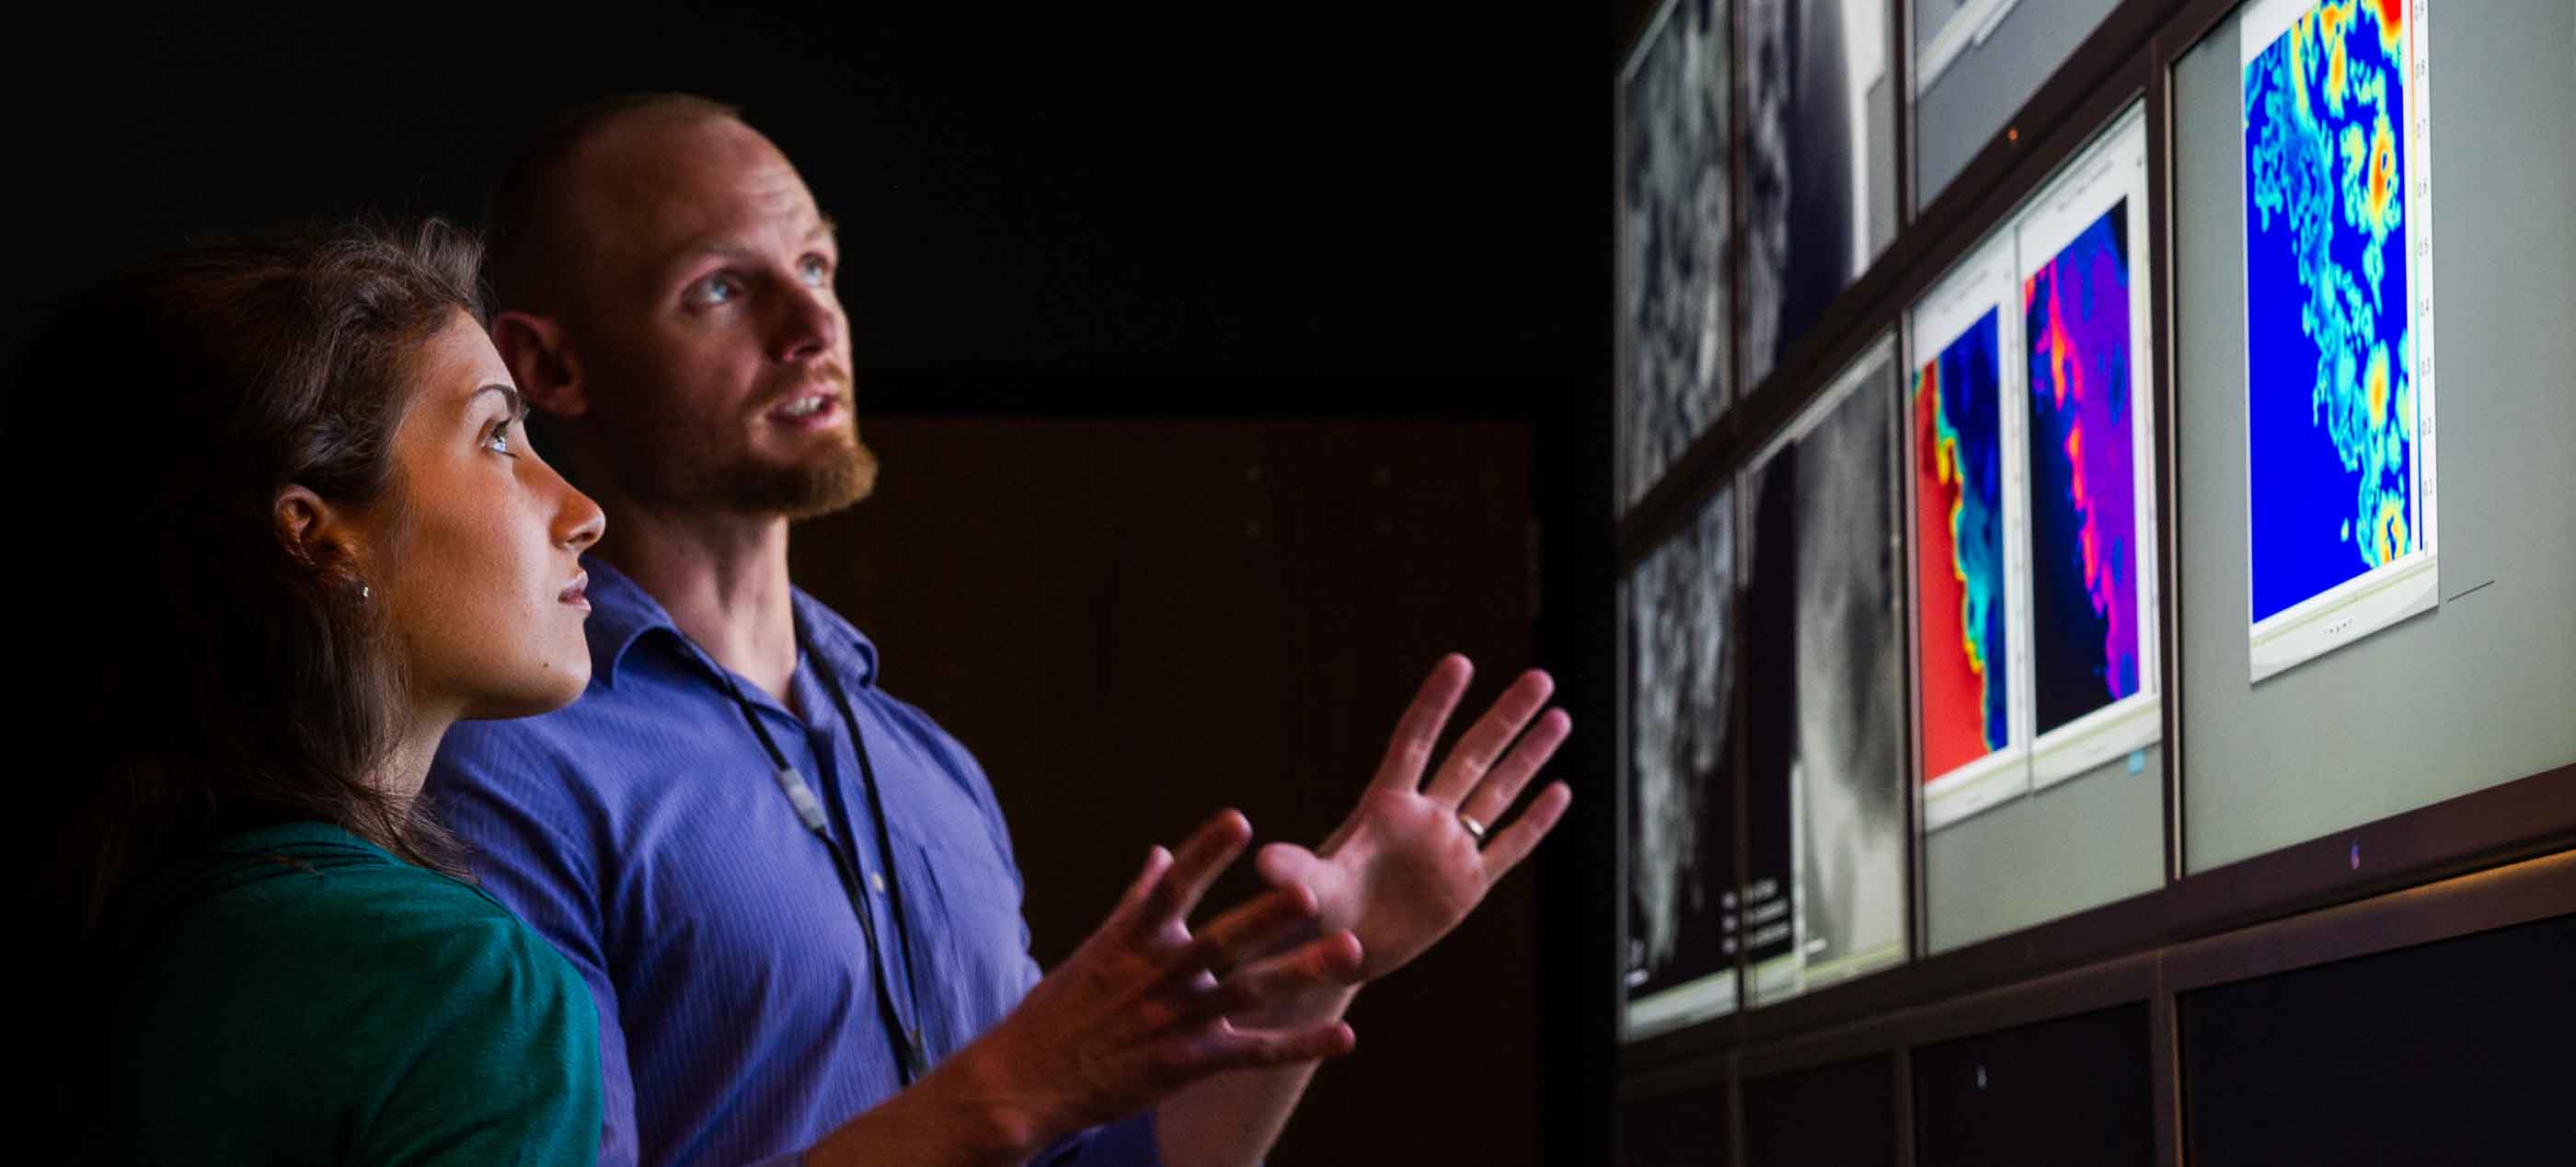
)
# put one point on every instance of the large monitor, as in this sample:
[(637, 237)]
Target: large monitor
[(1679, 964), (2454, 1052), (1975, 63), (1824, 772), (1688, 1126), (2065, 1090), (1843, 1114), (1820, 159), (2033, 473), (1675, 344), (2344, 176)]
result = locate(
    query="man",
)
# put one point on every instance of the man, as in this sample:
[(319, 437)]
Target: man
[(792, 895)]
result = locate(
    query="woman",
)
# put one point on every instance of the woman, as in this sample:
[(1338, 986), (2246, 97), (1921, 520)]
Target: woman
[(305, 534)]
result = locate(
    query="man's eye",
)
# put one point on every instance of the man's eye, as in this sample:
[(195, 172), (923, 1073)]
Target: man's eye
[(815, 270), (713, 291)]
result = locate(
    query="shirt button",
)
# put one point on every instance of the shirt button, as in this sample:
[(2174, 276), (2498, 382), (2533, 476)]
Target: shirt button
[(876, 879)]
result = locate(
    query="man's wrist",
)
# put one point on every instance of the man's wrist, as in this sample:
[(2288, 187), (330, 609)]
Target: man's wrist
[(964, 1113), (1003, 1114), (1315, 1006)]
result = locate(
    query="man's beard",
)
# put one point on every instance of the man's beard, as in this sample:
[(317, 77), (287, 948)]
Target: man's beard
[(809, 488), (667, 464)]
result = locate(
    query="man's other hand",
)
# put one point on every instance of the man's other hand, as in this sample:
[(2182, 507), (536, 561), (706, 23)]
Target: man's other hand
[(1144, 1006)]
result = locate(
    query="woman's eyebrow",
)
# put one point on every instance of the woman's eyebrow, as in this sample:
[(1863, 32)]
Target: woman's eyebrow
[(517, 405)]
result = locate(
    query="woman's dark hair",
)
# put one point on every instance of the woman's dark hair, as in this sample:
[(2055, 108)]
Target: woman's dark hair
[(210, 672)]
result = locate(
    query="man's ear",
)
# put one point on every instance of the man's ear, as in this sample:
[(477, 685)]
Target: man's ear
[(533, 347), (315, 531)]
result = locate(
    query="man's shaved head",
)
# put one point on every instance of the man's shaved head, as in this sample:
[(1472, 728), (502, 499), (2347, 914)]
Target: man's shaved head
[(533, 227), (664, 293)]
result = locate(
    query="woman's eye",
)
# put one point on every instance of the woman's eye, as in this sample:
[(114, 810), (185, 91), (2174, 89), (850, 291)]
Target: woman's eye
[(499, 442)]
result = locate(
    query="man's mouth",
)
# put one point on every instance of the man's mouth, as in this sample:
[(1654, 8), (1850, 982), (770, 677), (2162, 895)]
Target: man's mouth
[(810, 409), (574, 592)]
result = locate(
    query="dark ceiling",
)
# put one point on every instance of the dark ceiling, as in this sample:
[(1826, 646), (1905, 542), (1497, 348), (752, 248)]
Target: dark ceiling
[(1077, 209)]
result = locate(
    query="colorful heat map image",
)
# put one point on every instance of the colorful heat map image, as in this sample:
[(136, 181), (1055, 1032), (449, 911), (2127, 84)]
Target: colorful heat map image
[(2083, 474), (1959, 549), (2330, 343)]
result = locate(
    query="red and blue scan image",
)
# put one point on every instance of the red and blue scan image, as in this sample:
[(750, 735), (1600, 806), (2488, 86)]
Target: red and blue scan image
[(1959, 549), (2083, 494), (2331, 415)]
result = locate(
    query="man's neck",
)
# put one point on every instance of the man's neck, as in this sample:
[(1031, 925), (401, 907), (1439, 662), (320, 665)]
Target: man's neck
[(723, 579)]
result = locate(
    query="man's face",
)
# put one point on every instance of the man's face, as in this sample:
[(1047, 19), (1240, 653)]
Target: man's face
[(716, 354)]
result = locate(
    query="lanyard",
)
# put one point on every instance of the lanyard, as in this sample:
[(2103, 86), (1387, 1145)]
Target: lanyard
[(910, 1060)]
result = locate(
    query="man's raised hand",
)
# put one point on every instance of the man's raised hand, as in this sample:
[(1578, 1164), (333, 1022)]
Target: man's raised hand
[(1413, 858)]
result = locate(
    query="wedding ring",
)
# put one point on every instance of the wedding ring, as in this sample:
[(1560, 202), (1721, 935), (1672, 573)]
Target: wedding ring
[(1475, 830)]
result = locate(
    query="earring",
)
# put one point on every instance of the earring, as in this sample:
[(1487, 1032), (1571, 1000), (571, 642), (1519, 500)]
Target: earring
[(365, 591)]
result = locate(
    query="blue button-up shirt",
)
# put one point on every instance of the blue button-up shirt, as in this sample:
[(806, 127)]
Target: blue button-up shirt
[(642, 830)]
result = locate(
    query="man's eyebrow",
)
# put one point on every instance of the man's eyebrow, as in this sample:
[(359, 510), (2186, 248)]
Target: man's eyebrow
[(707, 245), (722, 247)]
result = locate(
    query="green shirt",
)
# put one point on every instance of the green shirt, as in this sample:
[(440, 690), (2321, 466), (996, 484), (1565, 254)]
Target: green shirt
[(305, 997)]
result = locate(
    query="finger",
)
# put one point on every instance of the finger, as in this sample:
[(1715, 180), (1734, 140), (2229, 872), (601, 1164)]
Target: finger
[(1493, 796), (1220, 1047), (1201, 858), (1489, 737), (1516, 841), (1122, 917), (1332, 961), (1419, 729), (1207, 853), (1251, 930)]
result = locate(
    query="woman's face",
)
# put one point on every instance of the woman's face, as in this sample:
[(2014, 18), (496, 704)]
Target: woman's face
[(479, 563)]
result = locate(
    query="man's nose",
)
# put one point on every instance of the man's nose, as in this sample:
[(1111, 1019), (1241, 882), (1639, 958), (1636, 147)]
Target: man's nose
[(810, 327)]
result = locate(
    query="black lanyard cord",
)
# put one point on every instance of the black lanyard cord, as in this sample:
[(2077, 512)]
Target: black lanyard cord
[(911, 1061)]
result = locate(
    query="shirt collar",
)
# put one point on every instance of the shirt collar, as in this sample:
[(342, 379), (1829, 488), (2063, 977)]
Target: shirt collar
[(621, 613), (847, 650)]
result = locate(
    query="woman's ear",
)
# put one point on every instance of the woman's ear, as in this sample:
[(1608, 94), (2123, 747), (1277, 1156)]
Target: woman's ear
[(533, 347), (314, 531)]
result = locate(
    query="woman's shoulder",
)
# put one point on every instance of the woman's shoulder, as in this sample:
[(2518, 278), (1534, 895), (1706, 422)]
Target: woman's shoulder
[(310, 965), (317, 915), (332, 887)]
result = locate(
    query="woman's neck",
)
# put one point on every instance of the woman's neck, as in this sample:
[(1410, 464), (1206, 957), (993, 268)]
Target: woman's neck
[(406, 763)]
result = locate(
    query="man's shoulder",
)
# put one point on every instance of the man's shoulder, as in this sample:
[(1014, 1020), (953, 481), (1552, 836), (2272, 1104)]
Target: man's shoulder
[(568, 753), (518, 742)]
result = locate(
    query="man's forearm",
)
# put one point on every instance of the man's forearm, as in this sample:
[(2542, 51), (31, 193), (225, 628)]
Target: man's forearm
[(956, 1117), (959, 1116), (1232, 1119)]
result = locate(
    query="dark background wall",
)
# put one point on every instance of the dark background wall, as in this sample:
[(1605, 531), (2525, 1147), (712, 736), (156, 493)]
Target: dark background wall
[(1228, 364), (1135, 622), (1050, 208)]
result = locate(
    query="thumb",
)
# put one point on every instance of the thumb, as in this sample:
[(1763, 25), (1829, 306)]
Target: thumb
[(1282, 864)]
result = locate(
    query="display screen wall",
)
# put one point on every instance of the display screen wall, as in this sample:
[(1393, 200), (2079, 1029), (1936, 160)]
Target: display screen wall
[(2210, 454)]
